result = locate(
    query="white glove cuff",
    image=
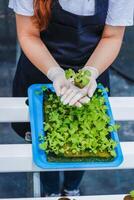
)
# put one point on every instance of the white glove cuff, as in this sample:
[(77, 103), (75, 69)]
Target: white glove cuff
[(54, 72), (93, 70)]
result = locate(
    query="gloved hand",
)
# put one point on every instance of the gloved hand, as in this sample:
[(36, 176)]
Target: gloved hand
[(91, 87), (83, 100), (78, 103), (73, 94), (57, 76)]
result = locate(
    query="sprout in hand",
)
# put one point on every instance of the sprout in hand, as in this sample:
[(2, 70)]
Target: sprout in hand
[(81, 78)]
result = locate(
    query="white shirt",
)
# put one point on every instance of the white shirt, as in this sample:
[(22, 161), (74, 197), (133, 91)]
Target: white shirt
[(120, 12)]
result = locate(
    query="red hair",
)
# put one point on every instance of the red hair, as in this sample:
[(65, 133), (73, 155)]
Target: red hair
[(42, 13)]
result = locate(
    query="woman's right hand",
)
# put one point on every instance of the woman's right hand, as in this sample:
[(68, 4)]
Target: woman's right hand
[(57, 76)]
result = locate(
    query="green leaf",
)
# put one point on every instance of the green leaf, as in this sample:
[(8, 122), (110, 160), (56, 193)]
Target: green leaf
[(132, 193), (69, 73), (47, 126), (87, 73), (44, 88), (113, 153)]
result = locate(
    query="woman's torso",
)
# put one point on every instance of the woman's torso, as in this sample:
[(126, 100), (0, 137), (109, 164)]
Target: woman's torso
[(72, 38)]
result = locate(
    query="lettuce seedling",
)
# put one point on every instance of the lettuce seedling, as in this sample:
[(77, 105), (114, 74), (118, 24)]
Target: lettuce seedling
[(70, 74), (132, 193), (81, 78), (73, 132)]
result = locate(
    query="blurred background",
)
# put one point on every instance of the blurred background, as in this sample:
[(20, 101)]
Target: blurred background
[(122, 84)]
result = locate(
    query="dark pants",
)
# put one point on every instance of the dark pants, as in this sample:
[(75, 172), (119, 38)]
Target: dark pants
[(51, 183), (27, 75)]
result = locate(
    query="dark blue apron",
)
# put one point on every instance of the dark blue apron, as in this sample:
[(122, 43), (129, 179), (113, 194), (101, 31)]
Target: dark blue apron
[(71, 39)]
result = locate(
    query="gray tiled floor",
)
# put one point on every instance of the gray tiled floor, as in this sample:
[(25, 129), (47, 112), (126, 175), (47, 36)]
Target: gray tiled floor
[(13, 185)]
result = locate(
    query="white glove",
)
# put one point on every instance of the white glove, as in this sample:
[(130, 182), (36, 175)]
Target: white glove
[(57, 76), (91, 87), (73, 94), (78, 103)]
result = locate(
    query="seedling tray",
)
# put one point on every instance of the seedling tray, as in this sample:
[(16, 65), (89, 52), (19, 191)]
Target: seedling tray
[(35, 95)]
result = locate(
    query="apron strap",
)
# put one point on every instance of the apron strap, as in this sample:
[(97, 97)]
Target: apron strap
[(97, 6), (101, 5)]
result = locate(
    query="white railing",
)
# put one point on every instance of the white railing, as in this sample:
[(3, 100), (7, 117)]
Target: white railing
[(18, 157), (106, 197)]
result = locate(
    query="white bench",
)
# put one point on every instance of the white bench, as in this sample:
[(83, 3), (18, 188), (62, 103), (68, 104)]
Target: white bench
[(18, 157)]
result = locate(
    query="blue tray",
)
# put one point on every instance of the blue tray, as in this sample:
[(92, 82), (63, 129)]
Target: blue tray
[(35, 95)]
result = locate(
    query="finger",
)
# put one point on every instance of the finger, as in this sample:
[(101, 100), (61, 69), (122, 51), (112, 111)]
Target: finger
[(78, 104), (84, 90), (57, 88), (63, 91), (66, 94), (76, 98), (70, 96), (92, 88), (84, 100)]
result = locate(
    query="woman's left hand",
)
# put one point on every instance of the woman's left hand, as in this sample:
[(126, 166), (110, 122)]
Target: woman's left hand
[(74, 95)]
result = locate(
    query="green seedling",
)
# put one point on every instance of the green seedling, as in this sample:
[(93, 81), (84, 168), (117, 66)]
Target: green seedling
[(43, 89), (78, 132), (81, 78), (70, 74), (132, 193)]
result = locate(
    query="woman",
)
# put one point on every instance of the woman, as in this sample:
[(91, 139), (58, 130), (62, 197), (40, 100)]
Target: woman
[(58, 34)]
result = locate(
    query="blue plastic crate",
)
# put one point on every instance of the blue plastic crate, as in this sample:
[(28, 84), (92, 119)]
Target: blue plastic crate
[(35, 95)]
